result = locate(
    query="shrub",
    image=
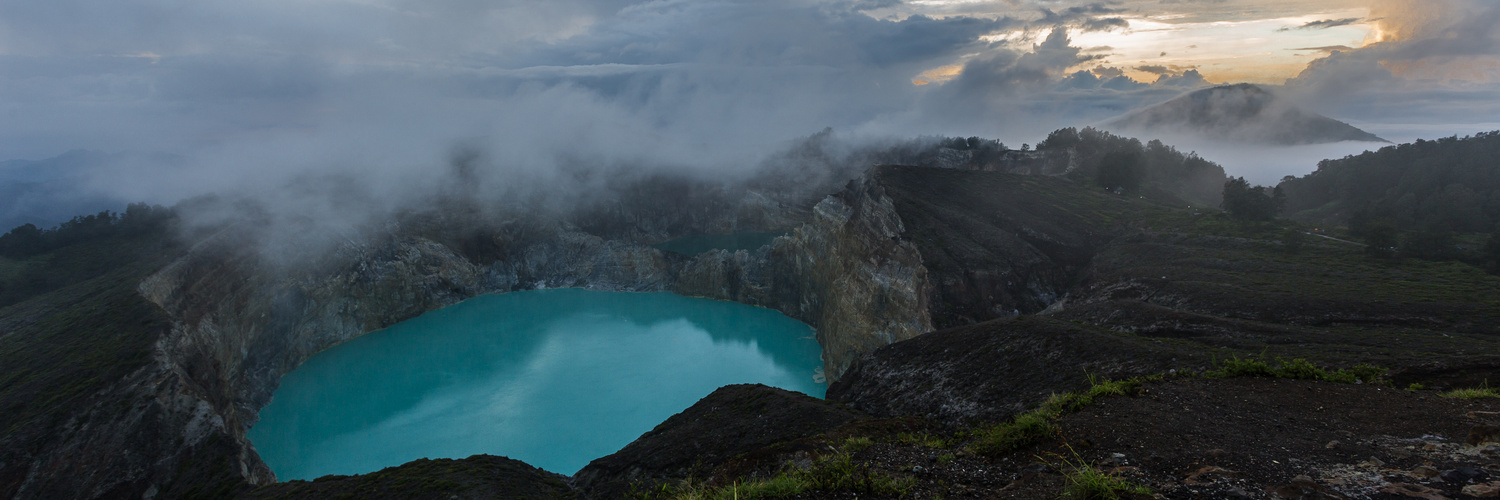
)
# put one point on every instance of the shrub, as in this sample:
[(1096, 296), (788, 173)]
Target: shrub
[(1088, 483), (1245, 202), (1297, 369), (837, 473), (1483, 391), (1026, 429)]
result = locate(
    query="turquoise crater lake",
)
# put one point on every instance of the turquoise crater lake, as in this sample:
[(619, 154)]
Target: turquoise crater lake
[(555, 378)]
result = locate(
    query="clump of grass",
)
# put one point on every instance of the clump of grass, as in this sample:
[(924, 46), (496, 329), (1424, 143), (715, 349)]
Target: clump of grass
[(1026, 429), (1086, 482), (1481, 392), (922, 439), (1414, 387), (836, 473), (857, 444), (1036, 425), (1062, 404), (1297, 369)]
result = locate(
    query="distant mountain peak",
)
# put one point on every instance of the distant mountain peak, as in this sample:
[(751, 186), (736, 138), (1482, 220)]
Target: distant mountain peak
[(1245, 113)]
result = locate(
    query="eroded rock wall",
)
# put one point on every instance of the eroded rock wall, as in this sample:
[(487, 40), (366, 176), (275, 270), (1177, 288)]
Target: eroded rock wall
[(241, 320), (861, 283)]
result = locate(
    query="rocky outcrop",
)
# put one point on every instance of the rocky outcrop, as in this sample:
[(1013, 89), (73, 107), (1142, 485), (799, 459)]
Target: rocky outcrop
[(990, 371), (476, 477), (850, 272), (240, 322), (856, 271), (861, 282), (998, 245), (733, 420), (241, 319)]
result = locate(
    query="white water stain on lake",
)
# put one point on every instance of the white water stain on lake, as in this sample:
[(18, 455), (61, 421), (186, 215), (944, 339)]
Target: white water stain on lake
[(555, 378)]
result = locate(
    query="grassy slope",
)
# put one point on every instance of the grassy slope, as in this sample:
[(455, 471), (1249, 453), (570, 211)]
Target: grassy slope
[(89, 330), (1324, 268), (1328, 302)]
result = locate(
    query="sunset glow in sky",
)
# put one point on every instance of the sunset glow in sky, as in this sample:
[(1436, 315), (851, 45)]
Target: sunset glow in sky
[(1266, 50)]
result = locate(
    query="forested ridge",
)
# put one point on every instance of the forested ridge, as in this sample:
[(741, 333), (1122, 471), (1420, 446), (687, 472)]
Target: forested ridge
[(1451, 183), (1423, 199), (35, 260)]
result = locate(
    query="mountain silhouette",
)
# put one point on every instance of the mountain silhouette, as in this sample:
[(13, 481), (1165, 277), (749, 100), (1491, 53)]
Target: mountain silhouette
[(1242, 113)]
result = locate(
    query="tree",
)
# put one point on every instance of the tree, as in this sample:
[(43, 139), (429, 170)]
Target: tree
[(1429, 243), (1380, 239), (1246, 202), (1491, 252), (1122, 169), (1294, 240), (21, 242), (1060, 139)]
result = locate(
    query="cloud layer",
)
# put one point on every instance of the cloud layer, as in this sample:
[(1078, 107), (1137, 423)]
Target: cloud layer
[(254, 95)]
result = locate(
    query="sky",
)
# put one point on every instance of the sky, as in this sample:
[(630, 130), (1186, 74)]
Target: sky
[(253, 95)]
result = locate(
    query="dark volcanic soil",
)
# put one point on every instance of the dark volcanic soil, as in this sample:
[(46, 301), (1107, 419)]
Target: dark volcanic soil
[(1347, 439), (1181, 438), (1205, 438)]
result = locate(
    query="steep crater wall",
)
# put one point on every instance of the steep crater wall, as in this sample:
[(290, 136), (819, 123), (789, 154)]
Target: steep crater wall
[(240, 320), (892, 255)]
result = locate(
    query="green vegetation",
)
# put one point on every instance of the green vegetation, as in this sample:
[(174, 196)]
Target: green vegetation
[(1421, 198), (1481, 392), (1122, 170), (1245, 202), (857, 444), (75, 323), (1091, 157), (1153, 169), (829, 474), (1086, 482), (1034, 426), (1037, 425), (37, 261), (922, 439), (1218, 259), (28, 240), (1024, 430), (479, 476), (1297, 369)]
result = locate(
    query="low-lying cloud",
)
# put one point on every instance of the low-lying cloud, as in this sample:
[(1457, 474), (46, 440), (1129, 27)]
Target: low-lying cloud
[(378, 97)]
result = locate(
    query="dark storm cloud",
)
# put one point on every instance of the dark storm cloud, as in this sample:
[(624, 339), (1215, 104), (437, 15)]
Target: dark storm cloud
[(1325, 24), (1105, 24), (1086, 17), (1329, 48)]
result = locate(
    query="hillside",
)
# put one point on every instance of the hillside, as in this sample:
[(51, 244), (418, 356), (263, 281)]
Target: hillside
[(947, 302), (1192, 303), (1452, 184), (1242, 113), (1089, 156)]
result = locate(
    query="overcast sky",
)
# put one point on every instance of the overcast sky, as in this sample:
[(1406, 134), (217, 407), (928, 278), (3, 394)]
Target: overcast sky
[(252, 91)]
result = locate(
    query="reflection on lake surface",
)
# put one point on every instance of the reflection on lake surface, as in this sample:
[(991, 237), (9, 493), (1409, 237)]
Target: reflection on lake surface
[(555, 378)]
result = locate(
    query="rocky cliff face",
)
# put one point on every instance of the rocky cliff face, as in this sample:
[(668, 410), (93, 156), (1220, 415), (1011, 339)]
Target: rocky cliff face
[(240, 321), (861, 281), (993, 370), (1123, 288)]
